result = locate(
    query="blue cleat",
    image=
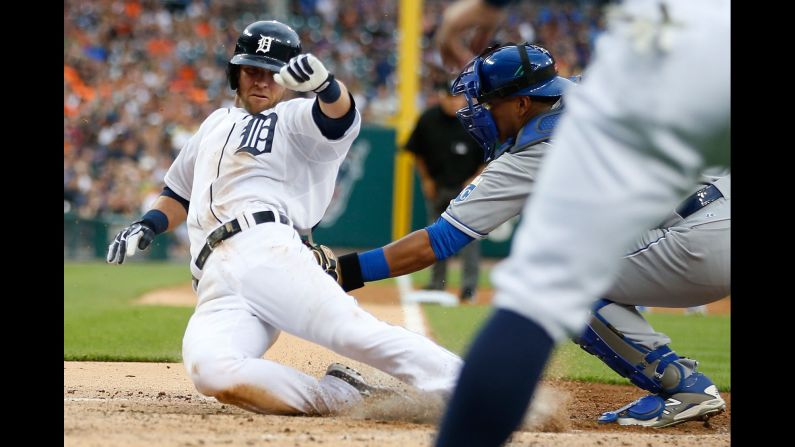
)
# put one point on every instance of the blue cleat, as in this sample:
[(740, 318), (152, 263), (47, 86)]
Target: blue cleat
[(698, 399)]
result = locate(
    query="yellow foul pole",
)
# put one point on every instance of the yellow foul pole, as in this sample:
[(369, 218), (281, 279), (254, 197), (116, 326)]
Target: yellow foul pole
[(409, 61)]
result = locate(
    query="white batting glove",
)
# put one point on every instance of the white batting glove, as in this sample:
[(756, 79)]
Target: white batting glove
[(136, 236), (304, 73)]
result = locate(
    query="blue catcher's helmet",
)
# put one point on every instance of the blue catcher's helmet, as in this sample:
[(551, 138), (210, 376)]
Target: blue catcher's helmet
[(501, 72)]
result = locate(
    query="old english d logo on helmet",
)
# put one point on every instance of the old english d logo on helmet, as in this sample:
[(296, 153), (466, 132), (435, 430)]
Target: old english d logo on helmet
[(266, 44)]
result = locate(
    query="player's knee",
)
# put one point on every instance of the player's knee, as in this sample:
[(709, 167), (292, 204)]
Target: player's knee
[(212, 376)]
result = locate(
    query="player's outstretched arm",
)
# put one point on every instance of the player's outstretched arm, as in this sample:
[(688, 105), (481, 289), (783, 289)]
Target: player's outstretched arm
[(411, 253), (305, 73), (408, 254), (166, 214)]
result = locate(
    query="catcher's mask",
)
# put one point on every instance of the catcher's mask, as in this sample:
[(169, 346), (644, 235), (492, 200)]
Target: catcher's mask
[(267, 44), (500, 72)]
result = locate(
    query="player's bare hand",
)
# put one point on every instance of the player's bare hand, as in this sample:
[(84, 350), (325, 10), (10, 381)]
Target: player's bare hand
[(304, 73), (461, 17), (136, 236)]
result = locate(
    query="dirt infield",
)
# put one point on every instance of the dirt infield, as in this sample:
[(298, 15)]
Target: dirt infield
[(152, 404)]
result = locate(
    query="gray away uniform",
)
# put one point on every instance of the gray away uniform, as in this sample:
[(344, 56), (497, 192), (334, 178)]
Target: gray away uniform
[(683, 262)]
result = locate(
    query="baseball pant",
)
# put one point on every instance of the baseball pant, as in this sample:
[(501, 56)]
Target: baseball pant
[(264, 280)]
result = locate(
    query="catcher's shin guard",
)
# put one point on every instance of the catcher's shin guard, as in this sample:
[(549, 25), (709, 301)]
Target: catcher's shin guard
[(659, 371)]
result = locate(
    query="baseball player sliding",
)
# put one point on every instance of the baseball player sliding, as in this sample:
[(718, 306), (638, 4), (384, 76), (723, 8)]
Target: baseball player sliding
[(248, 181), (514, 96)]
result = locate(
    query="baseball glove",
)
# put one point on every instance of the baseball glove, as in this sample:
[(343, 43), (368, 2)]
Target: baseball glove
[(327, 260)]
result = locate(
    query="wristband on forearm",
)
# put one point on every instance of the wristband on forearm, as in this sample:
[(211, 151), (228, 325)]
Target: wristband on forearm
[(373, 265), (350, 271), (330, 92), (156, 220), (357, 268)]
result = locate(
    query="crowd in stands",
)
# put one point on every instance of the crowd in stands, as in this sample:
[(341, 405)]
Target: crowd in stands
[(141, 75)]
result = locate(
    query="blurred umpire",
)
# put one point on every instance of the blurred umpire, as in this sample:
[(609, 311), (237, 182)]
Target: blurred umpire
[(447, 159)]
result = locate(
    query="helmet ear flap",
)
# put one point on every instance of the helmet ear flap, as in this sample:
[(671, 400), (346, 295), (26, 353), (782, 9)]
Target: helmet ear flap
[(233, 75)]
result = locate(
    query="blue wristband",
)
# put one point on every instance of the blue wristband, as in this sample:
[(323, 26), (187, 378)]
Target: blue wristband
[(374, 265), (157, 220), (332, 92)]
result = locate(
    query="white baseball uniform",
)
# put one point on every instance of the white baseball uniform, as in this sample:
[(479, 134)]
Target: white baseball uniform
[(624, 156), (264, 279)]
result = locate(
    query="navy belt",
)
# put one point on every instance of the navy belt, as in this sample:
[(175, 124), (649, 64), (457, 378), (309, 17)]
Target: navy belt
[(230, 229), (698, 200)]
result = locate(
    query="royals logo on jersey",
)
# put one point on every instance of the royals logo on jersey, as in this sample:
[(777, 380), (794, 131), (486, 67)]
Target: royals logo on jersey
[(258, 134), (468, 190)]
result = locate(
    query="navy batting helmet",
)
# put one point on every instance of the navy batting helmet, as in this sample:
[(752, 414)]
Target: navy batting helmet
[(500, 72), (267, 44)]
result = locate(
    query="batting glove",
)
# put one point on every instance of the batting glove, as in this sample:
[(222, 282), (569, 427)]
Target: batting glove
[(326, 259), (137, 235), (303, 73)]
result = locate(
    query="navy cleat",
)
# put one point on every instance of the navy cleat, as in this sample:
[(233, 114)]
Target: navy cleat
[(356, 380), (698, 399)]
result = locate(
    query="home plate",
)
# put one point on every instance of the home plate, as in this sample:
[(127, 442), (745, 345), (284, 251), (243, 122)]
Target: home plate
[(432, 296)]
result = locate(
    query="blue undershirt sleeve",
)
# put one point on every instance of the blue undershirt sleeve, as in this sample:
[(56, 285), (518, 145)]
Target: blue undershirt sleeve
[(446, 240)]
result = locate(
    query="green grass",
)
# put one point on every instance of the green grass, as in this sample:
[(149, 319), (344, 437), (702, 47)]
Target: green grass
[(421, 278), (705, 338), (101, 323), (454, 327)]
